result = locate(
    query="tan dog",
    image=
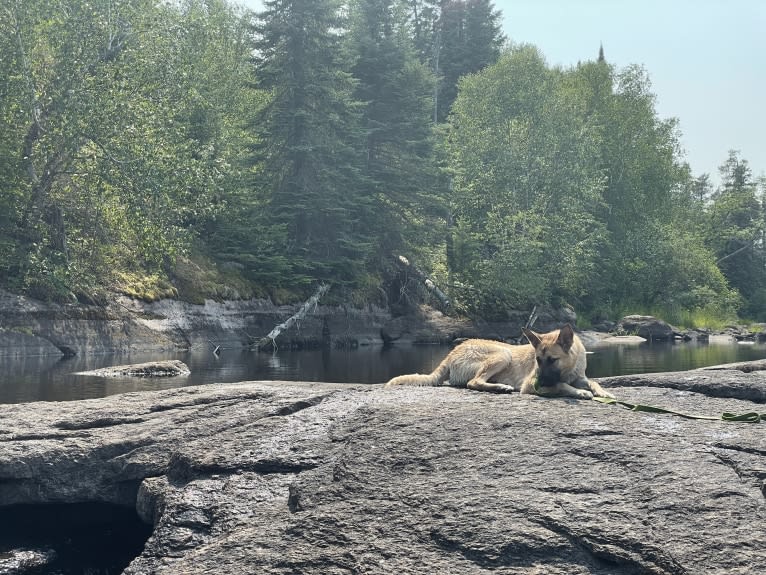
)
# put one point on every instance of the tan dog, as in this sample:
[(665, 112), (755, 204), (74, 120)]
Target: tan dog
[(554, 364)]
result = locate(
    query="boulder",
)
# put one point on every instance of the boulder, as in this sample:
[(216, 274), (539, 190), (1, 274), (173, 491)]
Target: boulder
[(278, 477), (646, 326)]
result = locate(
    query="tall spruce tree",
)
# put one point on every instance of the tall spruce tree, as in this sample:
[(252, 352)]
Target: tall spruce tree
[(422, 17), (469, 38), (396, 90), (309, 157)]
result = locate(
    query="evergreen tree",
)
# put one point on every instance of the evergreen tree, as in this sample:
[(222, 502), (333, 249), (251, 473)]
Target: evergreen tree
[(396, 91), (423, 16), (309, 153), (468, 39)]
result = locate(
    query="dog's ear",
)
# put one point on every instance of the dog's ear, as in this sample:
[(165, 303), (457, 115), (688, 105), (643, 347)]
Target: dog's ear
[(533, 338), (566, 337)]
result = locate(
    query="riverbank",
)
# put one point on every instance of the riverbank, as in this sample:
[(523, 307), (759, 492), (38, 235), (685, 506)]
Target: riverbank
[(33, 328), (279, 477), (125, 325)]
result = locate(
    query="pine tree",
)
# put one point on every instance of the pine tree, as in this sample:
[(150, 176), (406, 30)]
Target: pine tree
[(422, 16), (469, 38), (396, 90), (309, 158)]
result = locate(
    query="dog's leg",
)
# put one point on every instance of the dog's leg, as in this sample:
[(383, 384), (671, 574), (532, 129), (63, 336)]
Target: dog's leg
[(592, 386), (493, 365), (566, 390), (528, 385), (596, 389)]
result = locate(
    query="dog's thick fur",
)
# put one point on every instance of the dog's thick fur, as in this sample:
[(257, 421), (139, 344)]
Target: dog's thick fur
[(551, 364)]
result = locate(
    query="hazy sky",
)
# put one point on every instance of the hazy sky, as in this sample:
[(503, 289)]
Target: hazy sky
[(706, 60)]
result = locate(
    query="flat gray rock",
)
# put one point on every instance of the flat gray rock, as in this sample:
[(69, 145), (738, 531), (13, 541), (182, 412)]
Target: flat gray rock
[(168, 368), (278, 477)]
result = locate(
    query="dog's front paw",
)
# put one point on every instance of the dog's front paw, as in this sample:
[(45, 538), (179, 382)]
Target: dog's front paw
[(584, 394), (605, 393)]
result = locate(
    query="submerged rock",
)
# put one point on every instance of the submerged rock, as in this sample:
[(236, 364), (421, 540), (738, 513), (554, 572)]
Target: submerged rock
[(20, 561), (169, 368), (277, 477)]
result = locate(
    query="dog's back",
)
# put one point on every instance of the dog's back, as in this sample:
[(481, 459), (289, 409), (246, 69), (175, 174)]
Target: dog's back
[(469, 358)]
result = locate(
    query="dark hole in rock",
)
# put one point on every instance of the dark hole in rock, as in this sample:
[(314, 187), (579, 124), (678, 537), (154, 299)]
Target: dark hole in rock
[(68, 539)]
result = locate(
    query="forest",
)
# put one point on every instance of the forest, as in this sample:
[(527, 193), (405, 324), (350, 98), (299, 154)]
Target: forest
[(195, 149)]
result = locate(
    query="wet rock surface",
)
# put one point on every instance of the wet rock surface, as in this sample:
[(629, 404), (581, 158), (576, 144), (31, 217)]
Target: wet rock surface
[(278, 477)]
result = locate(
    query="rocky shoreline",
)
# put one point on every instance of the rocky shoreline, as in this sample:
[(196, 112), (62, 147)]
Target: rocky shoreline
[(33, 328), (29, 327), (278, 477)]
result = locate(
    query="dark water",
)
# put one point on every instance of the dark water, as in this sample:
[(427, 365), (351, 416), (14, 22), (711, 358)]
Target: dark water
[(52, 379), (77, 539)]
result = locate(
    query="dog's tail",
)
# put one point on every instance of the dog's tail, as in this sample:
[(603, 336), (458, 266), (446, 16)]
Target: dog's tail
[(436, 377)]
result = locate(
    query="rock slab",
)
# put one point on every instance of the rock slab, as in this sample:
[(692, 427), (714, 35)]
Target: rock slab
[(278, 477), (167, 368)]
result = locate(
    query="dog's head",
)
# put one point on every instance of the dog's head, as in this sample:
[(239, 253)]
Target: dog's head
[(552, 353)]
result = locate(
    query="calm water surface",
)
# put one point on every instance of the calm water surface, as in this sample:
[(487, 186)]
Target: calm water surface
[(53, 379)]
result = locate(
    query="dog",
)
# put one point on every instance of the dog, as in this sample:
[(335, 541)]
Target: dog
[(552, 364)]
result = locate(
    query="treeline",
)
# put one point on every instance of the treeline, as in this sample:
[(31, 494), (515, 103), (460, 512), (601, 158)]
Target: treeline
[(192, 144)]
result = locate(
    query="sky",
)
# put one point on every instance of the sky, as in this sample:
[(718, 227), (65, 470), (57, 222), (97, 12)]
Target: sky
[(706, 60)]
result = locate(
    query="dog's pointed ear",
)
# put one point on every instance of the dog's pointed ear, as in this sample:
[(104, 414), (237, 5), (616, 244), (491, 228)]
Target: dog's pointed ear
[(533, 338), (566, 337)]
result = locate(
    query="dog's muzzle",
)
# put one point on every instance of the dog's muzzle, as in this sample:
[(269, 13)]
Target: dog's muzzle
[(549, 377)]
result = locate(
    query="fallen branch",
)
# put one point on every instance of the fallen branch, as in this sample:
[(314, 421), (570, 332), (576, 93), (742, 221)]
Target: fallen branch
[(426, 281), (532, 318), (270, 339)]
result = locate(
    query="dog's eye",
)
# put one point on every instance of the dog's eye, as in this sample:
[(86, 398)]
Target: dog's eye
[(552, 360)]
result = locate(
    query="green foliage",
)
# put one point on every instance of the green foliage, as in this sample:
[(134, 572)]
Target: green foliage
[(399, 169), (468, 39), (147, 287), (190, 149), (736, 232), (568, 188), (526, 186), (116, 170), (199, 278)]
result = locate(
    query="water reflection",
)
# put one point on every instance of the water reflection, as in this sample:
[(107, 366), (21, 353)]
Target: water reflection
[(51, 379), (650, 358)]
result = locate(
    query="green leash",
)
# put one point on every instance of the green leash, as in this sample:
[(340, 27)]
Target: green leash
[(751, 417)]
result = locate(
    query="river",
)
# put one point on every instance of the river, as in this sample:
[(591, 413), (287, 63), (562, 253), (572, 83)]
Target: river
[(53, 379)]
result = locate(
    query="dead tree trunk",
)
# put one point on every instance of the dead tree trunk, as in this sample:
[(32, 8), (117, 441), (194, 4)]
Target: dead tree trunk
[(425, 281), (270, 339)]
